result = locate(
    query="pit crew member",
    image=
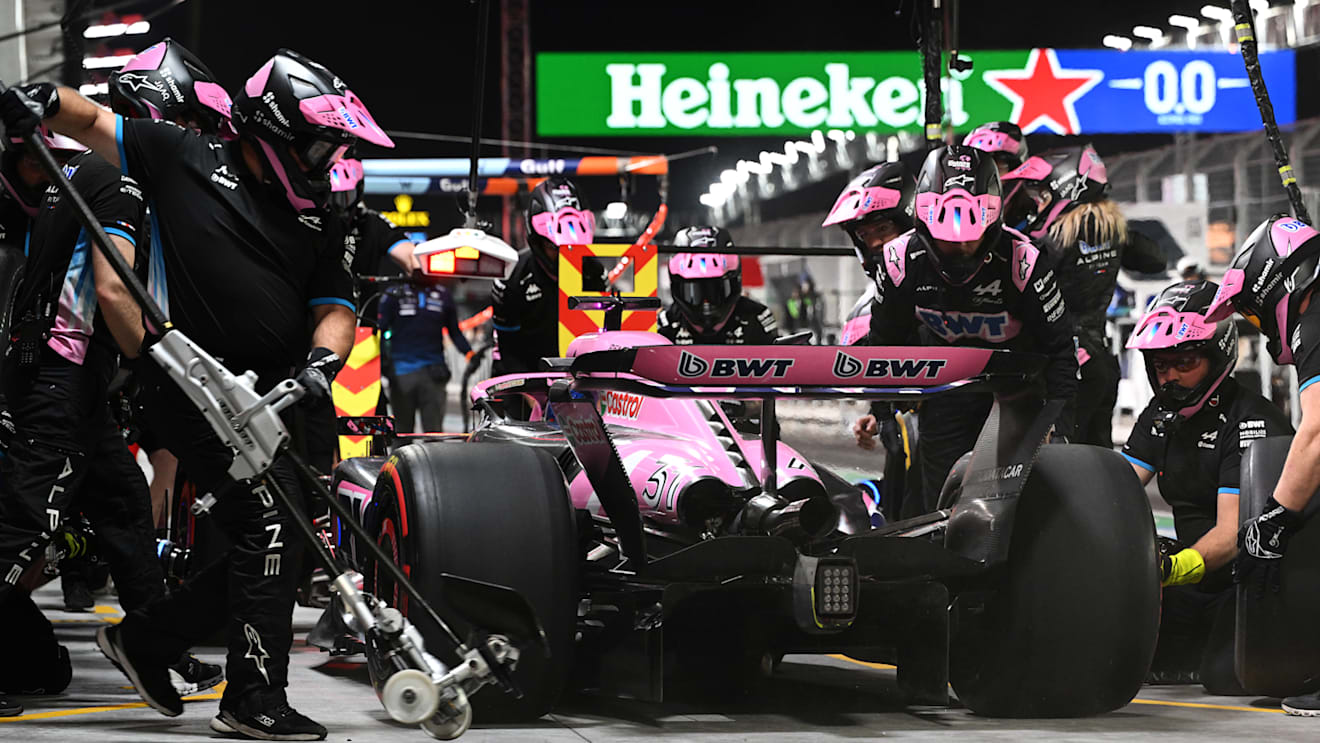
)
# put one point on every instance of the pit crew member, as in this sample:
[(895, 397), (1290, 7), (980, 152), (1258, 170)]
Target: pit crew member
[(961, 278), (708, 305), (273, 262), (1270, 283), (526, 314), (1192, 435)]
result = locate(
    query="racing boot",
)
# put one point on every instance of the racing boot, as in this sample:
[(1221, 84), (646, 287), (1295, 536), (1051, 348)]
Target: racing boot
[(151, 681), (8, 708), (190, 676), (77, 594), (266, 715)]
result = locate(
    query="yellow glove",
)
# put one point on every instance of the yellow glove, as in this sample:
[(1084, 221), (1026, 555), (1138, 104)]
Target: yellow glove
[(1181, 568)]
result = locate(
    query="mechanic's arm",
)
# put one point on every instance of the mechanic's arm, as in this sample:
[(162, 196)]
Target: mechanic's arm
[(1218, 546), (86, 122), (120, 311), (402, 253), (1045, 314), (333, 328), (1143, 474), (456, 336), (1301, 471)]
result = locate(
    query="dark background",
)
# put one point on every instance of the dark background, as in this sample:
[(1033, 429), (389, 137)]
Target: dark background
[(412, 62)]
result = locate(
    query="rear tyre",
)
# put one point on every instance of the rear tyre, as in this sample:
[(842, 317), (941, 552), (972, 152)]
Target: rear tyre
[(1070, 627), (492, 512)]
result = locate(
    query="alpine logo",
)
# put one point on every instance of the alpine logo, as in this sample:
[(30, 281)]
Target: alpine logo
[(310, 220), (846, 367), (691, 366), (993, 289)]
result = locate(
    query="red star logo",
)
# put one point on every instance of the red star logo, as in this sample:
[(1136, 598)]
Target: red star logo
[(1042, 94)]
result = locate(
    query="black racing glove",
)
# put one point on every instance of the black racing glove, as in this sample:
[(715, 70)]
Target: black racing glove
[(22, 108), (319, 371), (1262, 542)]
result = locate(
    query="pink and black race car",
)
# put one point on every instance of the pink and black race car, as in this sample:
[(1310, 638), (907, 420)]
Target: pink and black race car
[(653, 534)]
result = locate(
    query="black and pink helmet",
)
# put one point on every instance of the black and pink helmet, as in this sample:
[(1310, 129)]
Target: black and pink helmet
[(1002, 139), (303, 118), (1072, 176), (705, 283), (1268, 279), (1176, 322), (166, 81), (884, 191), (958, 201)]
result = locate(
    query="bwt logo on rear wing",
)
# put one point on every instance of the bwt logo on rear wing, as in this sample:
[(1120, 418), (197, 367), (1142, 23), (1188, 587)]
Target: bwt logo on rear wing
[(801, 366)]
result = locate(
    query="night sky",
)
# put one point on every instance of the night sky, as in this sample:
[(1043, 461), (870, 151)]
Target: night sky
[(411, 62)]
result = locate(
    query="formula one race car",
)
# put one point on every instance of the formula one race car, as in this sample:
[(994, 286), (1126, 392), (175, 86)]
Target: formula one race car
[(653, 535)]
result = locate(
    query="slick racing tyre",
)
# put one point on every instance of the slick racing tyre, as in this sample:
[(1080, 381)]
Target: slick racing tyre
[(497, 513), (1067, 625)]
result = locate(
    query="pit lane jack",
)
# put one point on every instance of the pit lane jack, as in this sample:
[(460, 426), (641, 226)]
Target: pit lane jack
[(419, 689)]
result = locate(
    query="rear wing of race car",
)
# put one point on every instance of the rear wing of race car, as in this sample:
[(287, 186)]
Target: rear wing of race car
[(1005, 450), (870, 372)]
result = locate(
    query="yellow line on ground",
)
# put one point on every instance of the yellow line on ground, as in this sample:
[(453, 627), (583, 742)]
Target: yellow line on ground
[(108, 708), (880, 666), (1198, 705), (1158, 702)]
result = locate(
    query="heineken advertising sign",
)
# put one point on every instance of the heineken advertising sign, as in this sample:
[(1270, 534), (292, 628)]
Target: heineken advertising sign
[(764, 94)]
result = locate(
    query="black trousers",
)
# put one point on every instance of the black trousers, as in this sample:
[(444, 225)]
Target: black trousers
[(1197, 634), (423, 390), (949, 424), (1097, 394), (250, 588), (69, 453)]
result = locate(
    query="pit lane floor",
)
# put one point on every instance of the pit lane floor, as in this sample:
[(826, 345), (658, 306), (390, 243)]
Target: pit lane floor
[(810, 698)]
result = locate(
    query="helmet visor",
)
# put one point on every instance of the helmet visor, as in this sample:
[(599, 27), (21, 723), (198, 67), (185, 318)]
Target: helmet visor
[(706, 297)]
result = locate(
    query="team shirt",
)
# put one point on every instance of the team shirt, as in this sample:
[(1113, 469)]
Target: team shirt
[(750, 323), (243, 268), (60, 250)]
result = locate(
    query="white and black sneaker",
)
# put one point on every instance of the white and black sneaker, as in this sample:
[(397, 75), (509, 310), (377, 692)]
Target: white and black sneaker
[(267, 717), (192, 676), (1303, 705), (152, 682)]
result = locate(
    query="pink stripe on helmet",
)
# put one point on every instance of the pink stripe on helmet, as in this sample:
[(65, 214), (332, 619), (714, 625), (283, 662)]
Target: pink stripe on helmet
[(344, 112), (1289, 234), (256, 85), (987, 140), (148, 59), (1191, 410), (345, 175), (568, 226), (1034, 169), (856, 203), (1056, 209), (1093, 167), (956, 216), (1165, 328), (1221, 307), (273, 161), (213, 96), (702, 265)]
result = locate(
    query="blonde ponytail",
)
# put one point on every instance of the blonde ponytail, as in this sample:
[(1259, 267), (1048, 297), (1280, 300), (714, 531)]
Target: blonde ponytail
[(1098, 222)]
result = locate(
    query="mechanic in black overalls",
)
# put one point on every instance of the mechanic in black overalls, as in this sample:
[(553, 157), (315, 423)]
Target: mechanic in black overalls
[(706, 285), (526, 304), (21, 184), (1271, 283), (960, 278), (1192, 435), (1087, 237), (250, 252)]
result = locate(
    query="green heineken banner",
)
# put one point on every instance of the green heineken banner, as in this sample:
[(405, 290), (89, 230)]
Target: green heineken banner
[(1064, 91)]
